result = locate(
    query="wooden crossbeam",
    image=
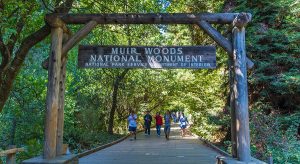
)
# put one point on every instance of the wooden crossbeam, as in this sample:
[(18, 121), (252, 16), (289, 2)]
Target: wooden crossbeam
[(78, 36), (73, 40), (220, 39), (149, 18), (216, 36), (57, 22)]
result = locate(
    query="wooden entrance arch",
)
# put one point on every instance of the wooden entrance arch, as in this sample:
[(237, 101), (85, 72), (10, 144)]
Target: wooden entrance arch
[(62, 41)]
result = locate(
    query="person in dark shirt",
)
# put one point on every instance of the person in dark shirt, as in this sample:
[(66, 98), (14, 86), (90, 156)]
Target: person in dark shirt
[(147, 119)]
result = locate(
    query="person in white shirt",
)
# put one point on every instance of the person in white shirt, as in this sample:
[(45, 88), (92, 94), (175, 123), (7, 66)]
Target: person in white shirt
[(183, 124), (132, 123)]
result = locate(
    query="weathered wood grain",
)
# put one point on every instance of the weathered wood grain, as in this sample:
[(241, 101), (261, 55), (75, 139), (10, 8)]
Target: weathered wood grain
[(11, 154), (61, 102), (55, 22), (241, 95), (241, 20), (216, 36), (220, 40), (232, 112), (78, 36), (11, 151), (60, 115), (147, 149), (150, 18), (53, 93)]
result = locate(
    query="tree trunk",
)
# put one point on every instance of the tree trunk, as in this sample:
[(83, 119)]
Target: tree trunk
[(117, 82), (9, 74)]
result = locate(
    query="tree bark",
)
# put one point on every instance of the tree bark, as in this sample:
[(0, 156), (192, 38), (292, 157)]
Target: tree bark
[(116, 84), (8, 75)]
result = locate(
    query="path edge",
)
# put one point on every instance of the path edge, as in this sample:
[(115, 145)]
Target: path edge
[(211, 145), (88, 152), (225, 157)]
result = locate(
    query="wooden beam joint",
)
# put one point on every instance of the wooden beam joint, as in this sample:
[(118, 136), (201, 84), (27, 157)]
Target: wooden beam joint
[(56, 22), (78, 36), (220, 39), (71, 41), (241, 20)]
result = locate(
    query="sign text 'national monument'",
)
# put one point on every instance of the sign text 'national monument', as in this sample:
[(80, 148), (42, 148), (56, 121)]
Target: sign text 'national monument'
[(192, 57)]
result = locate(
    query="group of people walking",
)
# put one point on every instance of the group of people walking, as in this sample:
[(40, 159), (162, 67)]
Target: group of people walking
[(168, 117)]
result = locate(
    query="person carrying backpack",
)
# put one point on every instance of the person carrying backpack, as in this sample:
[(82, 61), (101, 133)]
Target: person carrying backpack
[(183, 124)]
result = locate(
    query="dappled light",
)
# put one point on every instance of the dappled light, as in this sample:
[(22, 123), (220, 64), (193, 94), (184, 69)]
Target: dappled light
[(73, 72)]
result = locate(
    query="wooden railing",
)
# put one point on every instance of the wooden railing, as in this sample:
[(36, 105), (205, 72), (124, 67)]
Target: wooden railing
[(11, 154)]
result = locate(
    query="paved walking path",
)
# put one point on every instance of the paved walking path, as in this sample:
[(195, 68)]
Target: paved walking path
[(155, 150)]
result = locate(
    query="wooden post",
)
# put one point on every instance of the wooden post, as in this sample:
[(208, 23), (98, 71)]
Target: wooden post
[(232, 110), (61, 102), (240, 87), (231, 103), (53, 92)]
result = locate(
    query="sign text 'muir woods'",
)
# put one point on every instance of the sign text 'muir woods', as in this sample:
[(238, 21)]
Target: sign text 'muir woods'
[(192, 57)]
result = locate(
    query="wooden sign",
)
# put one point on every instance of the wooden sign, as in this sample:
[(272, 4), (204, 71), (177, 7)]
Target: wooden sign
[(191, 57)]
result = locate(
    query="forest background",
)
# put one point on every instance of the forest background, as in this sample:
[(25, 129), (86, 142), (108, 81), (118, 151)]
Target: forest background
[(98, 100)]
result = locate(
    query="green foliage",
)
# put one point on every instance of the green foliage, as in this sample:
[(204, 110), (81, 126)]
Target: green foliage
[(272, 42), (21, 122), (275, 135)]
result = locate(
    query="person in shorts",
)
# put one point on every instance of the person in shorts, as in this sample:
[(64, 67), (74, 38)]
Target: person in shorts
[(183, 124), (132, 123), (167, 128)]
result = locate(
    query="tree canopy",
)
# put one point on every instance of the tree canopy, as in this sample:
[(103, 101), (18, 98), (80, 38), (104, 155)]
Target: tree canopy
[(98, 101)]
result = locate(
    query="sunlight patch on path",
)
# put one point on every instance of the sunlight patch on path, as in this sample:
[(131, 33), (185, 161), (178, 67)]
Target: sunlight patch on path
[(155, 149)]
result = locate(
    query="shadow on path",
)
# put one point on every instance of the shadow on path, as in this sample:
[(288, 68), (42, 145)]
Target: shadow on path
[(155, 150)]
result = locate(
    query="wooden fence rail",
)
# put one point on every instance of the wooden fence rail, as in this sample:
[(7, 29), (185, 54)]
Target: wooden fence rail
[(11, 154)]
